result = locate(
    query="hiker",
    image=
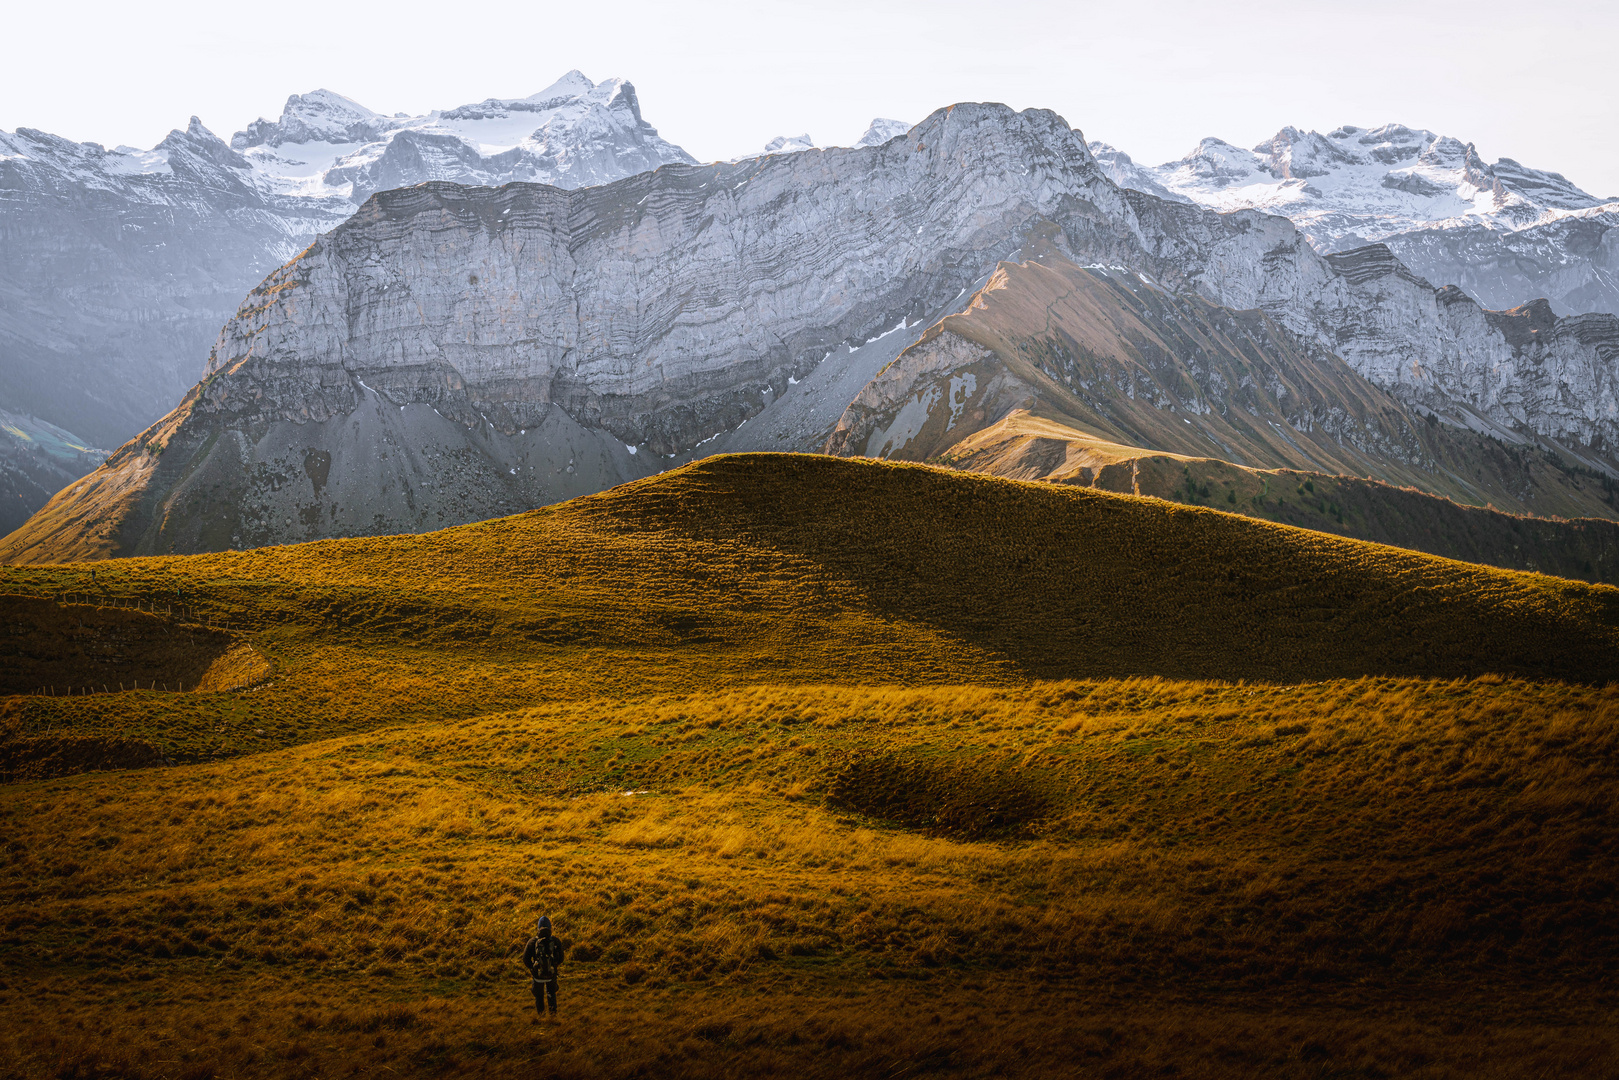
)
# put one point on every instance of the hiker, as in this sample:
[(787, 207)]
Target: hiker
[(542, 958)]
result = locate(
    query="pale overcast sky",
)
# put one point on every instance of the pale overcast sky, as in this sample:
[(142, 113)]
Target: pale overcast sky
[(1531, 81)]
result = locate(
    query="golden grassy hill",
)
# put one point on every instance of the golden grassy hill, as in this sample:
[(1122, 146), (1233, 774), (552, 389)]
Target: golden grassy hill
[(823, 768), (1026, 446)]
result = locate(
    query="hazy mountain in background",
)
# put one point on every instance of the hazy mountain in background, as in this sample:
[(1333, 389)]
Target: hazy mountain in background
[(881, 130), (574, 133), (120, 266), (1505, 233)]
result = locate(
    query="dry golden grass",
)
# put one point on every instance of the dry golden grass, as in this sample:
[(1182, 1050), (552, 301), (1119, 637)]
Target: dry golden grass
[(810, 789), (1340, 846), (1025, 446)]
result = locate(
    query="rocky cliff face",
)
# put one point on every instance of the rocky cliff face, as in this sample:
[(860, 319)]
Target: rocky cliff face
[(661, 313), (1505, 233), (118, 267)]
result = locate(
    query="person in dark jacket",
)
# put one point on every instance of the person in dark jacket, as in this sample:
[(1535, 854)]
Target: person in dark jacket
[(543, 958)]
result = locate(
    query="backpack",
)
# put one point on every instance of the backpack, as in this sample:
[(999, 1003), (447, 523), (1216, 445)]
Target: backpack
[(545, 965)]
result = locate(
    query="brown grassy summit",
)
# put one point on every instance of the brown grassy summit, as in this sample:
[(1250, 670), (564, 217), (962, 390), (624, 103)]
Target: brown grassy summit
[(813, 561), (1024, 446), (1060, 581)]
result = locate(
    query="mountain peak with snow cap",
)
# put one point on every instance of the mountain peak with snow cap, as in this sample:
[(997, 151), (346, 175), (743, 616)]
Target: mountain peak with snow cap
[(1356, 184), (318, 116), (789, 144), (197, 144), (1505, 232), (573, 84), (574, 133), (881, 130)]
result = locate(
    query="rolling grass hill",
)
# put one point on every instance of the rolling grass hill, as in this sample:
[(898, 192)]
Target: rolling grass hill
[(1024, 446), (822, 767)]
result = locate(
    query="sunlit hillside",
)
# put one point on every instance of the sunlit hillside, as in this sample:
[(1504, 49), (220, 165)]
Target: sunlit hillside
[(821, 767), (1023, 446)]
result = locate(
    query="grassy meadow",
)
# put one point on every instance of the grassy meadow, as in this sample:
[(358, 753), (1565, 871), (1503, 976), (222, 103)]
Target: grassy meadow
[(821, 768)]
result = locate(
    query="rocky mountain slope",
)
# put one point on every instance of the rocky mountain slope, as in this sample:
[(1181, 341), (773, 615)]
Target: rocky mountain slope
[(1504, 232), (118, 267), (440, 355), (36, 461), (1121, 364)]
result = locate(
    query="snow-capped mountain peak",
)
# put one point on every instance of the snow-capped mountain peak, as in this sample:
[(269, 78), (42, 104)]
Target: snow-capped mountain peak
[(1123, 171), (1357, 185), (196, 141), (789, 144), (318, 116), (1217, 163), (1547, 189), (574, 84), (881, 130), (574, 133), (1429, 197)]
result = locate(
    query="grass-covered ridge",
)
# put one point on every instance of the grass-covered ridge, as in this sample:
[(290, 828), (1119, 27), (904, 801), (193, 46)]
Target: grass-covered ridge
[(827, 768)]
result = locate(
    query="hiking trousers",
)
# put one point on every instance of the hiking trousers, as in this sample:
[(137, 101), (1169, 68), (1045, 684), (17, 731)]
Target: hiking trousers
[(545, 992)]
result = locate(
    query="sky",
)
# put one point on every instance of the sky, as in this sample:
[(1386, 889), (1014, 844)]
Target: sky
[(1529, 81)]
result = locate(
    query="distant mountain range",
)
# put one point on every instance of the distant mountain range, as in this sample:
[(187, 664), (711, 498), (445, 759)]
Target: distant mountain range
[(120, 266), (540, 297), (574, 133), (452, 352), (1505, 233)]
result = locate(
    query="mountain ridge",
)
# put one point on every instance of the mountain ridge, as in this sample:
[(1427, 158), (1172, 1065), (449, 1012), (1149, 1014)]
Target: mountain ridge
[(1504, 232), (491, 313)]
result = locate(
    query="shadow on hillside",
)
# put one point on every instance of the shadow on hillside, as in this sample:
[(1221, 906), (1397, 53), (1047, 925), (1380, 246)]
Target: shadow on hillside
[(76, 649), (1072, 583)]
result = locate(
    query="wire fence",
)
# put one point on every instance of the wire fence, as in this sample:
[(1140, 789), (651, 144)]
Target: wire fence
[(185, 614)]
